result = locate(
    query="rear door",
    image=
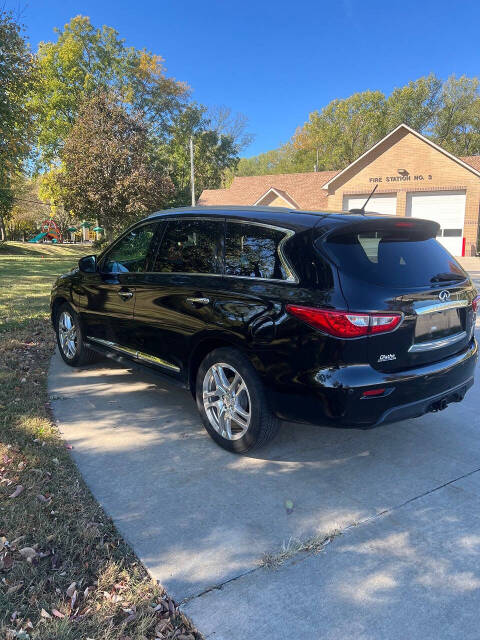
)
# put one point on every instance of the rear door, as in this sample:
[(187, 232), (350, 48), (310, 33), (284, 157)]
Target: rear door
[(399, 266)]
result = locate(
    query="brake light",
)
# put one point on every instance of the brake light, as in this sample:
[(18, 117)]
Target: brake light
[(404, 224), (346, 324), (476, 303)]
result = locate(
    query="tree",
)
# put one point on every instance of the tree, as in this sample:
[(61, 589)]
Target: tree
[(214, 154), (108, 173), (416, 104), (344, 129), (457, 123), (234, 125), (52, 191), (286, 159), (85, 61), (15, 118), (28, 211), (447, 112)]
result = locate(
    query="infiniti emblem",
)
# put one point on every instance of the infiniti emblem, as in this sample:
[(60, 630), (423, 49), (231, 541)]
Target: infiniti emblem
[(444, 295)]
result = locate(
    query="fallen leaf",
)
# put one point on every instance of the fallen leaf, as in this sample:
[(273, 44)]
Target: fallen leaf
[(15, 587), (71, 589), (21, 465), (42, 498), (45, 614), (6, 561), (162, 626), (17, 491), (28, 553), (56, 561), (57, 613), (74, 599)]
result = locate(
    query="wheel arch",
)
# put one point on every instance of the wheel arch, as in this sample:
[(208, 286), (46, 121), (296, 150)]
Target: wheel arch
[(207, 344), (56, 304)]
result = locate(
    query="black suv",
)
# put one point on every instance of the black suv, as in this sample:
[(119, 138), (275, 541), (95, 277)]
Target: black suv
[(266, 314)]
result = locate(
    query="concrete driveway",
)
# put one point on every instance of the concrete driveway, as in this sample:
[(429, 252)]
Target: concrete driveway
[(403, 501)]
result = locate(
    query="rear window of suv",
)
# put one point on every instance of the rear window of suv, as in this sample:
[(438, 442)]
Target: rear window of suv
[(394, 258)]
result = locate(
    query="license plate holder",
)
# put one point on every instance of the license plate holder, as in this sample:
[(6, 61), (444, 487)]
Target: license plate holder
[(438, 324)]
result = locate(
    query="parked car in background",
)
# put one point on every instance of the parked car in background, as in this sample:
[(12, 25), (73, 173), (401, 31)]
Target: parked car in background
[(265, 314)]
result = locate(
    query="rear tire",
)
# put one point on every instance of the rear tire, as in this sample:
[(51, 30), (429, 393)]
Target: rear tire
[(70, 338), (232, 401)]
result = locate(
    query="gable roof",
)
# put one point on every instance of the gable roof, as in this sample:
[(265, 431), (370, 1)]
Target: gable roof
[(407, 129), (305, 189), (281, 194)]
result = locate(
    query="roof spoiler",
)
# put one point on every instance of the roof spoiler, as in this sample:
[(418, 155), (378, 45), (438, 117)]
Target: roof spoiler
[(422, 229)]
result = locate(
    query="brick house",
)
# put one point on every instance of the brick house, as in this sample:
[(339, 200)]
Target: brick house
[(414, 177)]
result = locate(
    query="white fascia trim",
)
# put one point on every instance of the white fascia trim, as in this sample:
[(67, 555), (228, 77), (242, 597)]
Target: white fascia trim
[(287, 199)]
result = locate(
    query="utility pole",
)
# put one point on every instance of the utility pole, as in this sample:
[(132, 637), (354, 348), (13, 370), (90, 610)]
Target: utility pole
[(192, 172)]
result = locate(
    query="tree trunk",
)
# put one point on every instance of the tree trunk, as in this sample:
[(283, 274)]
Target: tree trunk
[(3, 233)]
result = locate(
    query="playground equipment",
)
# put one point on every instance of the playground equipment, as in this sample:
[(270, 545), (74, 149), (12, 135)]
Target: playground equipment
[(49, 231)]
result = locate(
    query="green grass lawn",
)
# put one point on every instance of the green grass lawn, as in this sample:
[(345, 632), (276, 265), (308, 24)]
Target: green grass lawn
[(65, 573)]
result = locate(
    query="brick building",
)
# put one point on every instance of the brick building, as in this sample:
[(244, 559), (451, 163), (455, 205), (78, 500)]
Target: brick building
[(415, 177)]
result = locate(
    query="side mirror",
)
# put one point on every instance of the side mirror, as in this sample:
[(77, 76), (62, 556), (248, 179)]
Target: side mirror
[(88, 264)]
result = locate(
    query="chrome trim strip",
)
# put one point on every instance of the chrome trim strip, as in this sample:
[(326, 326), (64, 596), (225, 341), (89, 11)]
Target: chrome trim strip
[(291, 275), (291, 278), (155, 360), (437, 344), (138, 355), (439, 306)]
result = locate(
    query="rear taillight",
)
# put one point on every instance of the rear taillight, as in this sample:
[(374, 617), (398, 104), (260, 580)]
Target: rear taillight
[(346, 324), (476, 303)]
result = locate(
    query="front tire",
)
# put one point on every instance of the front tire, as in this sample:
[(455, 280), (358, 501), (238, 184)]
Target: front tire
[(232, 402), (70, 338)]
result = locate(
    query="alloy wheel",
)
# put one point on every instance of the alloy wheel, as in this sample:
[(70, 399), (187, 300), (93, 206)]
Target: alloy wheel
[(226, 401), (67, 335)]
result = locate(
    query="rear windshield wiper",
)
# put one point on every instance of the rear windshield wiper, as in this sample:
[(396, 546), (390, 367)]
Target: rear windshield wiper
[(447, 277)]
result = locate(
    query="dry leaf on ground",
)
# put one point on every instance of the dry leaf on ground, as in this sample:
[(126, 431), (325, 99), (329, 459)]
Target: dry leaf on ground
[(17, 491)]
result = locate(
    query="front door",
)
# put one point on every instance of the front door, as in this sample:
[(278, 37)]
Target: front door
[(106, 298)]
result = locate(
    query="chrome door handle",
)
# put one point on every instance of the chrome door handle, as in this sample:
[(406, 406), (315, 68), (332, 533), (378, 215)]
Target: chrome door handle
[(125, 294), (198, 300)]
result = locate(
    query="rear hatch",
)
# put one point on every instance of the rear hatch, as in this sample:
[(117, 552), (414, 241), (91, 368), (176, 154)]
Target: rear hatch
[(391, 265)]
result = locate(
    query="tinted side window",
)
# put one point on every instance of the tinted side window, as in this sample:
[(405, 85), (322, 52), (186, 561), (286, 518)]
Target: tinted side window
[(252, 251), (191, 246), (130, 253)]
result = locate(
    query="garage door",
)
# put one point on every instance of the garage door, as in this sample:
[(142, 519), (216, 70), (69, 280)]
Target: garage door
[(381, 203), (445, 207)]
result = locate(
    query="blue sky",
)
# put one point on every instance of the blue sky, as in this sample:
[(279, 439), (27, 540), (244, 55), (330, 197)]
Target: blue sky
[(278, 61)]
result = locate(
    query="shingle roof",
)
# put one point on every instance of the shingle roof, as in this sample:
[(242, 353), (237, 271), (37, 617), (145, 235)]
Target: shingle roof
[(304, 188), (473, 161)]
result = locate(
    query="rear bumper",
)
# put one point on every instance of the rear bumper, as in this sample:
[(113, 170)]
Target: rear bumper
[(432, 404), (334, 396)]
